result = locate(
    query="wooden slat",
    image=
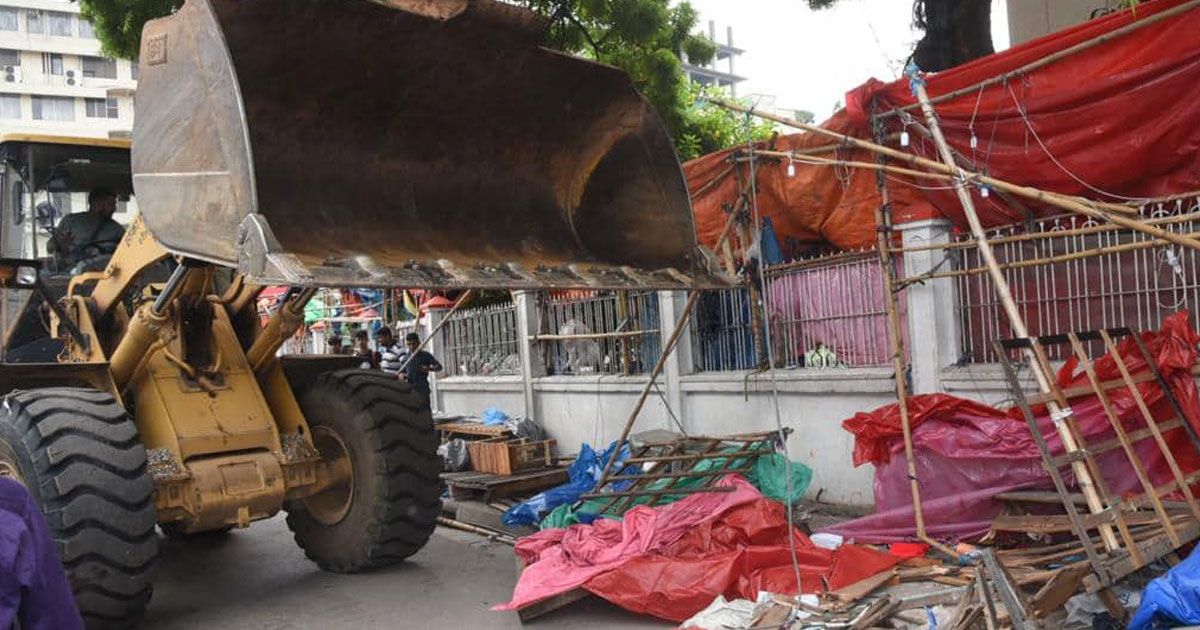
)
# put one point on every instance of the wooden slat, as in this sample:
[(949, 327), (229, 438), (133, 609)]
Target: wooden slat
[(1111, 444), (1083, 391), (1151, 425), (1114, 420)]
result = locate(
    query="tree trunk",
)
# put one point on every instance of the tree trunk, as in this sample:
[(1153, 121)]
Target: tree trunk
[(956, 31)]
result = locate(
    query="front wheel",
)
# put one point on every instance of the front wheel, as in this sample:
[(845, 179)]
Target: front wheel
[(79, 455), (387, 508)]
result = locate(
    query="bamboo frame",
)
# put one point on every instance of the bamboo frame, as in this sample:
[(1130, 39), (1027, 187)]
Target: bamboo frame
[(605, 335), (883, 229), (1049, 260), (1079, 206), (1037, 363)]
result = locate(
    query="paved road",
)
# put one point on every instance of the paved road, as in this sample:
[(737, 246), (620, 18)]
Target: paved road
[(258, 578)]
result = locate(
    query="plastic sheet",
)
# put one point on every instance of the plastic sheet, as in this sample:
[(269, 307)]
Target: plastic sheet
[(1119, 116), (1171, 600), (975, 452), (582, 476), (671, 561)]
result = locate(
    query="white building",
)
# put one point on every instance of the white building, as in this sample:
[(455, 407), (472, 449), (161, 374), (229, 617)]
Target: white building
[(720, 71), (53, 78)]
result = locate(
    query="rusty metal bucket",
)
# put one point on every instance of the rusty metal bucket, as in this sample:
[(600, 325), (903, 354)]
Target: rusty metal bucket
[(403, 143)]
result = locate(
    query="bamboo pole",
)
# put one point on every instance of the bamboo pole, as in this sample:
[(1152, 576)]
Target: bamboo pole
[(605, 335), (1084, 207), (680, 324), (1052, 58), (883, 230), (1016, 321), (1034, 236), (1049, 260)]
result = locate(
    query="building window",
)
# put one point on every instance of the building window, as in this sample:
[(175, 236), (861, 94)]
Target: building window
[(10, 106), (9, 58), (99, 68), (50, 23), (8, 19), (53, 108), (85, 29), (101, 107), (52, 63), (133, 70)]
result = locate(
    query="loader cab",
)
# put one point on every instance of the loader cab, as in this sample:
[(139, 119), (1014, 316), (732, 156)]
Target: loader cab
[(43, 179)]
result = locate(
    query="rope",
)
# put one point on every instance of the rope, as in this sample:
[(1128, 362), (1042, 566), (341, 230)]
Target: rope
[(1060, 165)]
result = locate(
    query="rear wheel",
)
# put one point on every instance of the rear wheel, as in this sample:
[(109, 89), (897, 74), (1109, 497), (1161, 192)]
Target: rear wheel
[(79, 455), (381, 431)]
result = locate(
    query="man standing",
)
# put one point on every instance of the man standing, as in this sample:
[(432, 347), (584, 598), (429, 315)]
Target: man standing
[(88, 236), (418, 366), (363, 352), (391, 355)]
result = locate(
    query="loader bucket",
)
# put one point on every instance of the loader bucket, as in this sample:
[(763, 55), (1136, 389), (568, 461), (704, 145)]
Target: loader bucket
[(423, 143)]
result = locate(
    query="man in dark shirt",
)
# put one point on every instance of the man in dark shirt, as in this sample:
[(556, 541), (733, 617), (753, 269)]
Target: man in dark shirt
[(418, 365)]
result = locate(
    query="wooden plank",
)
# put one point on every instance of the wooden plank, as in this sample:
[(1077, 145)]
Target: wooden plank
[(1054, 523), (1083, 391), (1152, 549), (1114, 420), (535, 610), (472, 428), (1113, 443), (1055, 593), (1009, 594), (853, 592), (1038, 496)]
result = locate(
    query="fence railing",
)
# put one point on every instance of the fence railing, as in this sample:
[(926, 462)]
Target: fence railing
[(482, 341), (830, 312), (634, 313), (1132, 282), (824, 313), (723, 332)]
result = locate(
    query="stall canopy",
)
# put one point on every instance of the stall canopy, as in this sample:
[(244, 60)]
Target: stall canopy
[(1113, 116)]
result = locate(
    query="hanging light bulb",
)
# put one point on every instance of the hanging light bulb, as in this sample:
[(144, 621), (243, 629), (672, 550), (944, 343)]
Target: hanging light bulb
[(791, 169), (983, 192), (904, 138), (974, 141)]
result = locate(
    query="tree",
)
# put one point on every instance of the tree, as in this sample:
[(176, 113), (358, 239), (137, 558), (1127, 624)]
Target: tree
[(955, 31), (707, 127)]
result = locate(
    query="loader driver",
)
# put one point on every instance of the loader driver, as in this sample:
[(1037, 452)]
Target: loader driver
[(88, 239)]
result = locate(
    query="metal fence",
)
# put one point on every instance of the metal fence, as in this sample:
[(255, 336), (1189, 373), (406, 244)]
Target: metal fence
[(482, 341), (824, 313), (723, 333), (830, 312), (1133, 282), (589, 313)]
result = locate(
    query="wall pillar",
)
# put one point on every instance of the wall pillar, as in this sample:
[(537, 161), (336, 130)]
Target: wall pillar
[(435, 346), (679, 363), (934, 342), (532, 365)]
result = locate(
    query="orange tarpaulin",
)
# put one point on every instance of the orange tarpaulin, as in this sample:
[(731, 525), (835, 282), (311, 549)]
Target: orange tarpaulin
[(1119, 119)]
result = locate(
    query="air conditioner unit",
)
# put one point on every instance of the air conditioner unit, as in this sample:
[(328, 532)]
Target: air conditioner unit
[(12, 74)]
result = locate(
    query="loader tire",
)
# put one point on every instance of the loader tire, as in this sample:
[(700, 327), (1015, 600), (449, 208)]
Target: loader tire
[(389, 509), (79, 455)]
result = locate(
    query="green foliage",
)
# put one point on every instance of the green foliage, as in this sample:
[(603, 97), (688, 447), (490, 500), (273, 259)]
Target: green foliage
[(118, 23), (707, 127)]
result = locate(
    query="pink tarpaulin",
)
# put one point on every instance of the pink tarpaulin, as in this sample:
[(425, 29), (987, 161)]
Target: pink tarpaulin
[(967, 453), (841, 306), (672, 560)]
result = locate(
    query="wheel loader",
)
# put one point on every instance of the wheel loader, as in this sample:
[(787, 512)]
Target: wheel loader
[(306, 144)]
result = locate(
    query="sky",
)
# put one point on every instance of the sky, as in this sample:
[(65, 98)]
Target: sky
[(809, 59)]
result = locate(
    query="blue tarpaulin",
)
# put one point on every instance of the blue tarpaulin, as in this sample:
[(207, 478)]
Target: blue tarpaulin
[(584, 472), (1171, 600)]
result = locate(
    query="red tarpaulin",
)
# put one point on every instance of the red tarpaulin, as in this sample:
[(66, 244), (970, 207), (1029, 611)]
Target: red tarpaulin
[(671, 561), (967, 453), (1120, 116)]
